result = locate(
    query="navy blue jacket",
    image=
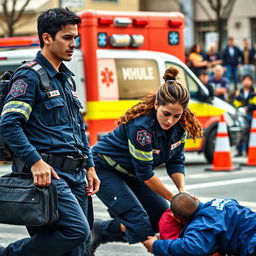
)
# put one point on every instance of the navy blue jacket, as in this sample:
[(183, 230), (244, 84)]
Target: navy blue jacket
[(31, 123), (141, 145), (232, 60), (219, 225)]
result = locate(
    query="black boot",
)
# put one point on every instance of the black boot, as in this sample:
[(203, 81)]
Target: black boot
[(105, 231)]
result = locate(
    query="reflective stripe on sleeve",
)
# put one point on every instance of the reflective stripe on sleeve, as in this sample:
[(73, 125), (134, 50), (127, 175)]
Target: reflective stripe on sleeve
[(17, 106), (237, 103), (139, 154), (252, 100)]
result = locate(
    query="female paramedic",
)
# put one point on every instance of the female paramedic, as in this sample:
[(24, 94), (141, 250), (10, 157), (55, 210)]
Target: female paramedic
[(149, 134)]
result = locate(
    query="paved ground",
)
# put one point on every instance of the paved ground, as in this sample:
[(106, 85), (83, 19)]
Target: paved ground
[(206, 185)]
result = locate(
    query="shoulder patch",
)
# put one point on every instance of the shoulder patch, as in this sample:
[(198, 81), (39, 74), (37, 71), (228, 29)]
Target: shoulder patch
[(18, 88), (144, 137)]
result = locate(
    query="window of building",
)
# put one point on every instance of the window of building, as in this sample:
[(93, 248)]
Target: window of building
[(203, 27)]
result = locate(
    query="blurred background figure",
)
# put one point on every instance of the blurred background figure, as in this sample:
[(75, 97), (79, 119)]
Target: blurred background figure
[(232, 57), (213, 57), (220, 83), (245, 98), (196, 59), (204, 77), (248, 60)]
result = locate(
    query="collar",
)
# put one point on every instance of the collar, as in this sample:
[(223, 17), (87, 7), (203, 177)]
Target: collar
[(50, 69), (156, 126)]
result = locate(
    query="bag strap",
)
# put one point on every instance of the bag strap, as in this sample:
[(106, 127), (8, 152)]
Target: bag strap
[(40, 71)]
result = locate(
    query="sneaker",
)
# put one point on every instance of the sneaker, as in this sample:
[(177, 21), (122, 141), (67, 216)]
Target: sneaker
[(97, 237)]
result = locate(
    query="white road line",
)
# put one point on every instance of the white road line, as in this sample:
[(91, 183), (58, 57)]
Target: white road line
[(221, 183), (211, 174), (214, 183)]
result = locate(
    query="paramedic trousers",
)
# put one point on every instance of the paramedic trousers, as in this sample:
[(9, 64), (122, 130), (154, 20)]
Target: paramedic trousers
[(70, 235), (130, 202)]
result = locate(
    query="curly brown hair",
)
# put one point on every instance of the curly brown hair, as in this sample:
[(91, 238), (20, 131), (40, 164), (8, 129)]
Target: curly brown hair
[(170, 92)]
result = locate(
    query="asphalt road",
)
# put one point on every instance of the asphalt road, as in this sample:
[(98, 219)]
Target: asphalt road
[(206, 185)]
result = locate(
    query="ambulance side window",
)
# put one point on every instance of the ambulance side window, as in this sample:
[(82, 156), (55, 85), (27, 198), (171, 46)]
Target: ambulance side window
[(185, 80), (181, 76), (192, 87)]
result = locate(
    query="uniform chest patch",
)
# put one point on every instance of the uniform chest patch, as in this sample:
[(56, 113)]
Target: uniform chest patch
[(175, 145), (19, 88), (144, 137)]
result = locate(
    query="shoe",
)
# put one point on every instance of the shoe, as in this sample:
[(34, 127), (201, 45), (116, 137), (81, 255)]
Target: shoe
[(97, 237), (238, 154)]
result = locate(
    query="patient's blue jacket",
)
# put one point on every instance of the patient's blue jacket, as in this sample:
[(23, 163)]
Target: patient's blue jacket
[(219, 225)]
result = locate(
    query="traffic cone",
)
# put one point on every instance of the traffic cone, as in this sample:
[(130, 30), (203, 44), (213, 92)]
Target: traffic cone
[(222, 159), (251, 156)]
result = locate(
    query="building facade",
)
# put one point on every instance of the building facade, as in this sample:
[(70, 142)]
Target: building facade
[(27, 24)]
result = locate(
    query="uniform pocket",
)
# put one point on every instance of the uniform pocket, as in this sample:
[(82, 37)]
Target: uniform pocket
[(54, 111), (78, 107)]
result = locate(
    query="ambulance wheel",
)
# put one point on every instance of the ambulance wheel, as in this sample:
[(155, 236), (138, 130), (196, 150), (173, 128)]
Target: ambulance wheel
[(210, 145)]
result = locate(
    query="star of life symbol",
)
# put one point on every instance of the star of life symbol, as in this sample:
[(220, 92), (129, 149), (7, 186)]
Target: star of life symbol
[(144, 137), (107, 77), (173, 38), (102, 39)]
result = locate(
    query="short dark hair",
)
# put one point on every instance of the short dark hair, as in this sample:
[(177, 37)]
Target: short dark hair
[(51, 21), (184, 206), (247, 76)]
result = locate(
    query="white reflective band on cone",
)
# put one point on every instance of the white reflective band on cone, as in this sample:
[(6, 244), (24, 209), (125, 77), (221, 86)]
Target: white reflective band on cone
[(222, 144), (253, 123), (252, 140), (222, 128)]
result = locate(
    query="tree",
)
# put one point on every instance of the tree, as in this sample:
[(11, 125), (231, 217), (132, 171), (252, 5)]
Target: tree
[(11, 14), (222, 10)]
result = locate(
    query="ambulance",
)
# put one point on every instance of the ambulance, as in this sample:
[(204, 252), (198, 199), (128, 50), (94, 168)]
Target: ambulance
[(120, 57)]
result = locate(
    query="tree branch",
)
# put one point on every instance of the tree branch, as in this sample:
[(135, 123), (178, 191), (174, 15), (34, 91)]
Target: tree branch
[(205, 10), (227, 9), (214, 7), (21, 11)]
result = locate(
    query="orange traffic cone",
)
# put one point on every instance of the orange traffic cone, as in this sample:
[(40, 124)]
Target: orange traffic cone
[(251, 157), (222, 159)]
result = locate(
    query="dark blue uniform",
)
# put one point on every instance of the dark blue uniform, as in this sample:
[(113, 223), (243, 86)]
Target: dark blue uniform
[(219, 225), (126, 157), (33, 124)]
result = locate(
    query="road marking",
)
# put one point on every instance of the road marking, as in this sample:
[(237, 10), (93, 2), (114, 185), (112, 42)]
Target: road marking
[(211, 174), (221, 183), (214, 183), (218, 174)]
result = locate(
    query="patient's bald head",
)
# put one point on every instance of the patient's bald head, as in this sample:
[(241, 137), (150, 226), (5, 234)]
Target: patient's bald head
[(184, 206)]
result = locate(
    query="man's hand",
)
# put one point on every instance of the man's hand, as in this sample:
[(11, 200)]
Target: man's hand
[(93, 182), (42, 172), (148, 244)]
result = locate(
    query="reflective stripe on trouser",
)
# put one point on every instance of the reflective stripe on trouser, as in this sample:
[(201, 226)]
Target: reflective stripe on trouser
[(115, 165)]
